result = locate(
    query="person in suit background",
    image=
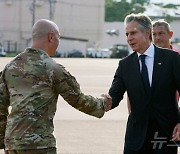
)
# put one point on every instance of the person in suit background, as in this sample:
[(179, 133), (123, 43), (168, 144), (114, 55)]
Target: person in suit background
[(150, 76), (161, 35)]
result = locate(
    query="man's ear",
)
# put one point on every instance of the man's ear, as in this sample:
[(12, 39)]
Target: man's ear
[(171, 34), (50, 36)]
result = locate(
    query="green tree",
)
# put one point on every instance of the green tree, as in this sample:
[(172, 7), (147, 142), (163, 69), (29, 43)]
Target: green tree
[(117, 11), (138, 8), (173, 6), (165, 15), (142, 2)]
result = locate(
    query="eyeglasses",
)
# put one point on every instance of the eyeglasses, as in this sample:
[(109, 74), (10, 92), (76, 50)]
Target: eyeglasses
[(57, 34)]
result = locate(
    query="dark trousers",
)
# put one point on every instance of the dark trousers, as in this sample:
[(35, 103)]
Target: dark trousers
[(156, 142)]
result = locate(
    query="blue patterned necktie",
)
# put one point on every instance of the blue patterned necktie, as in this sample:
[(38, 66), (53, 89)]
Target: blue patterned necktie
[(144, 74)]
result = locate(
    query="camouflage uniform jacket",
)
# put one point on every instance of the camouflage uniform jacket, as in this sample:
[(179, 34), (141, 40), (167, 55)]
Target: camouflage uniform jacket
[(30, 84)]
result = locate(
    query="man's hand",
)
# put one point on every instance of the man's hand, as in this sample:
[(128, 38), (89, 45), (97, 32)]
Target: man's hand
[(108, 102), (176, 133), (6, 152)]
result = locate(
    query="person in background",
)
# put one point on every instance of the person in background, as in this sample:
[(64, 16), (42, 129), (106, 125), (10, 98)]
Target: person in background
[(150, 76), (30, 84), (162, 34)]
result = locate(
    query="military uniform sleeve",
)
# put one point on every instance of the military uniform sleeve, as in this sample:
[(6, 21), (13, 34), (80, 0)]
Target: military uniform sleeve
[(67, 86), (4, 104)]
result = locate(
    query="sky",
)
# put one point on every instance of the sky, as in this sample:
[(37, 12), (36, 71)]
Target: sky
[(164, 1)]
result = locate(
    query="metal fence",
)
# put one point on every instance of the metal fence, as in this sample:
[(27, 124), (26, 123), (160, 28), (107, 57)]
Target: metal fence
[(14, 47)]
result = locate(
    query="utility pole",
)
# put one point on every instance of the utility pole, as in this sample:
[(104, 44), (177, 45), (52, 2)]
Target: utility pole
[(51, 9), (33, 11)]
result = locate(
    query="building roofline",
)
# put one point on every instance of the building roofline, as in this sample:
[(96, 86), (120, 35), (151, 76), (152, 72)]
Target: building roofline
[(74, 39)]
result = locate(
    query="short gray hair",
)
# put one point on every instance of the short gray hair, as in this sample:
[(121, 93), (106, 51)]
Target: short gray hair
[(162, 22), (145, 23)]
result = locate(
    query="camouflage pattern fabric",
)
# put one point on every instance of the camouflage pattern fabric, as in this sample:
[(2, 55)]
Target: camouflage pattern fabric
[(30, 85), (37, 151)]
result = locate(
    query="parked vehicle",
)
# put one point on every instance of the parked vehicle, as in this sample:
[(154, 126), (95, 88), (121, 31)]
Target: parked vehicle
[(2, 52), (101, 53), (104, 53), (91, 53), (119, 51), (58, 54), (76, 54)]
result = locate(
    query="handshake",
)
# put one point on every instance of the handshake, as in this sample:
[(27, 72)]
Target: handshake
[(107, 102)]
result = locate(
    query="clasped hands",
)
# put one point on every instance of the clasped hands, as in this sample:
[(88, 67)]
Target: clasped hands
[(108, 102)]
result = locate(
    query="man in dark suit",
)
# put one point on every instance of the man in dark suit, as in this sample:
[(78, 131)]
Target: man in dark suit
[(151, 77)]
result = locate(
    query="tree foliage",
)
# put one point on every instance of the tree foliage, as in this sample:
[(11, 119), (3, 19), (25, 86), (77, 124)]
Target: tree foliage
[(142, 2), (173, 6), (118, 10)]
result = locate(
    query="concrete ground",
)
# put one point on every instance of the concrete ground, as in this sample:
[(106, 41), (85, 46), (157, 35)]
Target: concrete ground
[(78, 133)]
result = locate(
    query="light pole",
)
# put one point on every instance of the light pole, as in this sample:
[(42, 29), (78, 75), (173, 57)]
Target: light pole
[(33, 11), (51, 9)]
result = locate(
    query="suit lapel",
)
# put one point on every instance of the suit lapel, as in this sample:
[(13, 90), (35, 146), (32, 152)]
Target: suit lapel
[(158, 65)]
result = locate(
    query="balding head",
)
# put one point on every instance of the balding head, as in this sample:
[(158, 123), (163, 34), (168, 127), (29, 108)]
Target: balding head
[(42, 27), (45, 36)]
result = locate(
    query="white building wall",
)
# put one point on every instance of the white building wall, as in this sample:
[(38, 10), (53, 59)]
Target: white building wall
[(82, 19), (109, 40)]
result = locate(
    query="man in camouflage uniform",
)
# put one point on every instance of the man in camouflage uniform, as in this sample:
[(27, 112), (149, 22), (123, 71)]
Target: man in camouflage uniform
[(30, 84)]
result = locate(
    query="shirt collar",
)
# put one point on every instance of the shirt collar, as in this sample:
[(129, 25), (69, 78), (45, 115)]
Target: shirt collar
[(149, 52)]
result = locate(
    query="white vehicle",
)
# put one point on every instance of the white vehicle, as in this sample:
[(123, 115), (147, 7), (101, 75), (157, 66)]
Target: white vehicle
[(101, 53), (104, 53), (91, 52), (2, 52)]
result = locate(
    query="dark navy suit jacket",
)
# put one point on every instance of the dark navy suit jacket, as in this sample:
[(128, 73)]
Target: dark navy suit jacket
[(161, 104)]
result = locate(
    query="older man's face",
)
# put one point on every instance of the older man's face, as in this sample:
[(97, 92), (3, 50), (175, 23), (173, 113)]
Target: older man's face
[(136, 38), (161, 37)]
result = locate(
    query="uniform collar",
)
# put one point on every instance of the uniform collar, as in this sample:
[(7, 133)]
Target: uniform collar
[(35, 50)]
